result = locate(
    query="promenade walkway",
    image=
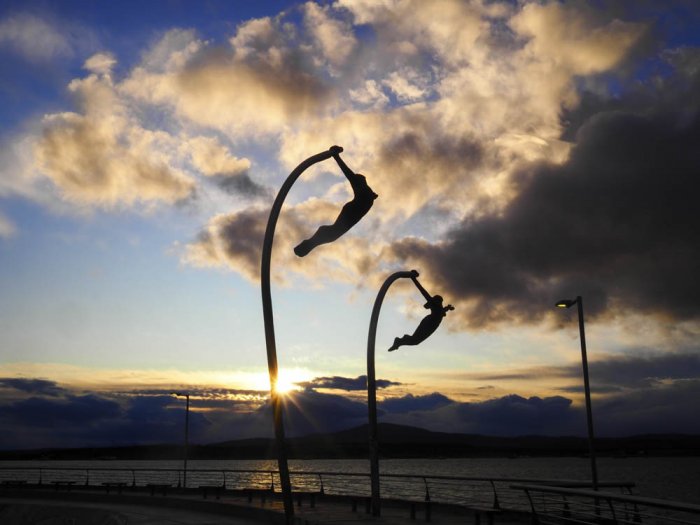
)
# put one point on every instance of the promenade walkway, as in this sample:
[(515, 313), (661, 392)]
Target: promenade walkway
[(93, 507)]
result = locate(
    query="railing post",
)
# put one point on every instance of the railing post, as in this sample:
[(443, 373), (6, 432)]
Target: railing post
[(567, 510), (535, 517), (223, 472), (87, 477), (496, 503), (320, 479), (612, 509), (133, 478)]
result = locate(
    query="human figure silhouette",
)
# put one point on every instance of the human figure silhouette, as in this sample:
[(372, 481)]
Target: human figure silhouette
[(351, 213), (429, 323)]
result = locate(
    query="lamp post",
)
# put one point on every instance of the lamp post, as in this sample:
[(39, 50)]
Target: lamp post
[(268, 318), (568, 303), (186, 395), (372, 387)]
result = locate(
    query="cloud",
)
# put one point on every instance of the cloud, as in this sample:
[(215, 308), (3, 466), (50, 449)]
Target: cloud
[(613, 224), (215, 161), (7, 227), (260, 84), (349, 384), (491, 133), (310, 412), (33, 386), (411, 403), (100, 63), (572, 36), (35, 38), (235, 241), (614, 373), (71, 411), (103, 155), (56, 417), (333, 36)]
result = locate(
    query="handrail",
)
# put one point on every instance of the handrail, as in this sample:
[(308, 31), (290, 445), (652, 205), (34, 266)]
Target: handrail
[(622, 498), (573, 483), (463, 491)]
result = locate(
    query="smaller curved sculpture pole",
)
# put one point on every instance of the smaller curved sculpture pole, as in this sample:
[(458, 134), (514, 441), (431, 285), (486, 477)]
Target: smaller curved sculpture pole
[(372, 387), (426, 327), (270, 329)]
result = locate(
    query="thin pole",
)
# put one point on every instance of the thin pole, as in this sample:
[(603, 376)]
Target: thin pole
[(372, 389), (587, 391), (187, 438), (268, 318)]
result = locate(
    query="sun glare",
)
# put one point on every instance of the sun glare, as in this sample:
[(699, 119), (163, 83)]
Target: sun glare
[(287, 381), (284, 386)]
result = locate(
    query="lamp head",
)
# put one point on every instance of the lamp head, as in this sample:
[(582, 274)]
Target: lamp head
[(565, 303)]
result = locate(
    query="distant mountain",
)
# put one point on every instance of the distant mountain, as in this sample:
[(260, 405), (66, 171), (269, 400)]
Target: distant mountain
[(396, 441)]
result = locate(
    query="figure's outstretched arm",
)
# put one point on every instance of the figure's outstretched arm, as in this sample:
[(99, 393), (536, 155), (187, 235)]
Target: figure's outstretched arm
[(351, 176), (421, 289)]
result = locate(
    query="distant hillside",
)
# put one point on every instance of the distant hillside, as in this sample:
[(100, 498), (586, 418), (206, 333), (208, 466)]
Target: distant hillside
[(396, 441)]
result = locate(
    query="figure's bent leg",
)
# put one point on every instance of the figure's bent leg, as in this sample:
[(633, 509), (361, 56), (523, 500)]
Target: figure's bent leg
[(406, 340), (323, 235)]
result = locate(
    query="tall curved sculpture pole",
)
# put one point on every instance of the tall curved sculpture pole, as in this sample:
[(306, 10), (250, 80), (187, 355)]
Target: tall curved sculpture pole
[(372, 387), (270, 329)]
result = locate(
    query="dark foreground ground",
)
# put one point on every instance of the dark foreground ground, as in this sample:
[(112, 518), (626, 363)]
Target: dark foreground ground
[(50, 507)]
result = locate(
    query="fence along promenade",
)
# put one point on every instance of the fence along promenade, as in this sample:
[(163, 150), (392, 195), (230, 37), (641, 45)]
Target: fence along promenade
[(552, 505), (418, 494)]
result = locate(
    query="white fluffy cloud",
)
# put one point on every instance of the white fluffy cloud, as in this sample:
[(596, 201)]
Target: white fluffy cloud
[(103, 155)]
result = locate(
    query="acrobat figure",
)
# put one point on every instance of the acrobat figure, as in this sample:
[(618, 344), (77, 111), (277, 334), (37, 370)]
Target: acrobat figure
[(351, 213), (429, 323)]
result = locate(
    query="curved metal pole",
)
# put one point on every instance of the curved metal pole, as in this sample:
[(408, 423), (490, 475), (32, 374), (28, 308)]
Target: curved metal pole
[(372, 388), (270, 329)]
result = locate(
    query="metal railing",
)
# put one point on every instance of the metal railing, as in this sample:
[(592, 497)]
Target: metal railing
[(470, 492), (551, 505)]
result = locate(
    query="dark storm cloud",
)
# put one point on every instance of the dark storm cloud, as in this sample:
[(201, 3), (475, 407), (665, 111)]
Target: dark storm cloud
[(74, 411), (241, 184), (617, 223), (409, 403), (311, 412), (633, 371), (97, 420), (345, 383), (613, 373), (598, 389), (664, 409), (33, 386)]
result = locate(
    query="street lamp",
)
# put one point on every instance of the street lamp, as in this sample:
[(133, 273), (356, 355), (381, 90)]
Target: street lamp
[(186, 395), (268, 318), (427, 326), (568, 303)]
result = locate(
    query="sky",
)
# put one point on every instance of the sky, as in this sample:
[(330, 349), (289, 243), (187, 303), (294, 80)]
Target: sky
[(523, 152)]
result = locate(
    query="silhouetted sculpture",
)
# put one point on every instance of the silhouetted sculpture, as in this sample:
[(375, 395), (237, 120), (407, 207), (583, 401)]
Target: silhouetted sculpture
[(351, 213), (429, 323)]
